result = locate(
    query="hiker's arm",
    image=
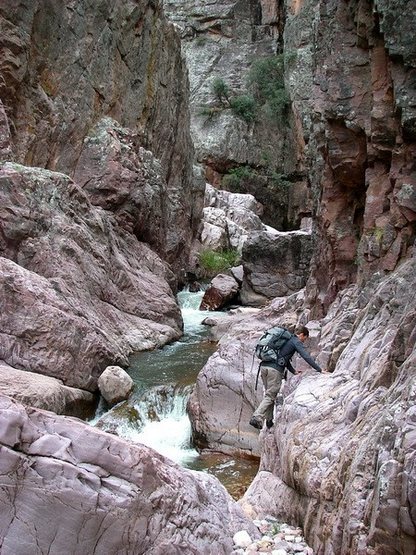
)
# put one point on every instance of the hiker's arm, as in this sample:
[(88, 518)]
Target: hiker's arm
[(306, 356), (290, 367)]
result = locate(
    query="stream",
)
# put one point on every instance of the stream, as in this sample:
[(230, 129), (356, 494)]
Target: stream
[(155, 414)]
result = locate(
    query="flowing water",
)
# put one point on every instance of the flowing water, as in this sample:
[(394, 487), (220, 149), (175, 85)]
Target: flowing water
[(155, 415)]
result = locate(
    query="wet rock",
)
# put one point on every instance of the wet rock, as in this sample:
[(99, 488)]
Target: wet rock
[(222, 290), (115, 385)]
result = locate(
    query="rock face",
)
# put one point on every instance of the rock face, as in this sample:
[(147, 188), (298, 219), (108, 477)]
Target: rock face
[(228, 219), (114, 496), (78, 293), (341, 457), (354, 97), (275, 264), (65, 67), (224, 40), (44, 392), (224, 397)]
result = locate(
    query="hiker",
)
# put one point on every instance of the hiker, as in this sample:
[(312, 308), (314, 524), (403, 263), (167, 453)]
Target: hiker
[(272, 374)]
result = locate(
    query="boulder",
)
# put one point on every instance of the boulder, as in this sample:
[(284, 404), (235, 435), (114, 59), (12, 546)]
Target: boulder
[(114, 496), (115, 385), (222, 290), (228, 219), (275, 264), (35, 390)]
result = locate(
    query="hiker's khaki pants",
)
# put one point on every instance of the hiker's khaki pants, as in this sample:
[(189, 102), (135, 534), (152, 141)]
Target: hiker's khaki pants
[(272, 380)]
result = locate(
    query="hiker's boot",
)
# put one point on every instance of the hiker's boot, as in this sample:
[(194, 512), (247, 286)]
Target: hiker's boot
[(256, 423), (269, 424)]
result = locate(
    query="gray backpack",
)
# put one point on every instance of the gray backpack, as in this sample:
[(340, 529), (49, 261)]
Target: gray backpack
[(270, 343)]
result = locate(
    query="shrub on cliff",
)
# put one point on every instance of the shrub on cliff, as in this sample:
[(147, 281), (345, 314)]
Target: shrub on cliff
[(266, 79)]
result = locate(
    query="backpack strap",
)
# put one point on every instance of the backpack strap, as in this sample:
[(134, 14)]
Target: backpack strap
[(257, 378)]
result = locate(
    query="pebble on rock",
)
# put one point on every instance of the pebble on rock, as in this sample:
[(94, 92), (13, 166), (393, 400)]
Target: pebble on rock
[(242, 539)]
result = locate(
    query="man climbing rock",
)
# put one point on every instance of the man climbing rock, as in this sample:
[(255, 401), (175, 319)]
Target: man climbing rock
[(272, 373)]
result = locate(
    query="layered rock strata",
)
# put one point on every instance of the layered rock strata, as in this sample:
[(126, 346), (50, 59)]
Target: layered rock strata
[(112, 496), (353, 95)]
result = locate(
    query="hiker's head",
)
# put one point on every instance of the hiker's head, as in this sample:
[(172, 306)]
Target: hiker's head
[(303, 333)]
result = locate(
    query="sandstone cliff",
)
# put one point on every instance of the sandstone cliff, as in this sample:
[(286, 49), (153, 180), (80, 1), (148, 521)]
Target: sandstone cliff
[(354, 98)]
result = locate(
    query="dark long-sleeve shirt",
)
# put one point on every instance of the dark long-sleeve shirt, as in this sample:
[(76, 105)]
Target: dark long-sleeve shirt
[(292, 346)]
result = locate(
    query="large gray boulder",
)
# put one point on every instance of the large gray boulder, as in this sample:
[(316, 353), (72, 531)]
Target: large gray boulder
[(67, 487), (275, 264)]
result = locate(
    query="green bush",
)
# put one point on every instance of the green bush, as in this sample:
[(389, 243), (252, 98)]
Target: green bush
[(221, 90), (266, 78), (218, 261), (232, 180), (244, 106)]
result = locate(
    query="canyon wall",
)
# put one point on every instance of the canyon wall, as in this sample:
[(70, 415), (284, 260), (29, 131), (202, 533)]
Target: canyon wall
[(353, 92), (97, 188), (251, 149), (65, 66)]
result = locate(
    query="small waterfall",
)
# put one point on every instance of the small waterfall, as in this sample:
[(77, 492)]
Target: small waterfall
[(156, 414), (164, 424)]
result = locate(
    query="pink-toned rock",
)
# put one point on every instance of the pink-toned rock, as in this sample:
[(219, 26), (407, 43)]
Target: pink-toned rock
[(115, 385), (343, 449), (35, 390), (124, 178), (82, 490), (354, 97), (77, 292), (64, 68), (224, 398)]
